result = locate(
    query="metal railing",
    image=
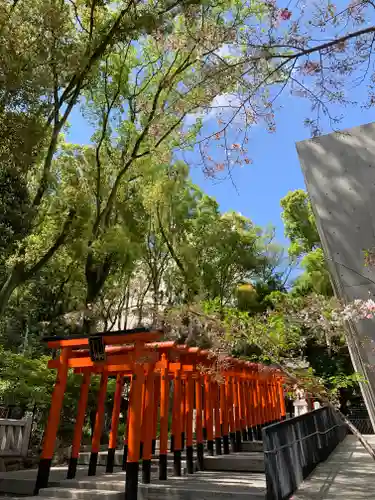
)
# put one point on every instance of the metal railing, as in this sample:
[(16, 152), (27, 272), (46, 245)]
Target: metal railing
[(293, 448), (364, 425), (358, 416)]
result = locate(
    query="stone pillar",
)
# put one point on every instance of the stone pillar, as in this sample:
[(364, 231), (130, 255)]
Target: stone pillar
[(300, 404)]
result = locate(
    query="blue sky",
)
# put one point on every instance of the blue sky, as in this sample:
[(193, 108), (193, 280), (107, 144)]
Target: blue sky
[(257, 189), (275, 169)]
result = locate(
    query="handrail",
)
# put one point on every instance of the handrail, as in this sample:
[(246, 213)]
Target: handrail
[(294, 447), (275, 450)]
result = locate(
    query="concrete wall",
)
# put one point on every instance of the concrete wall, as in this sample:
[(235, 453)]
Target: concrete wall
[(339, 171)]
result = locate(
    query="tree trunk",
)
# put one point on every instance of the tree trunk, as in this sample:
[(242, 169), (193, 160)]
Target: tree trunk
[(125, 317), (155, 307), (14, 279), (96, 274), (20, 275)]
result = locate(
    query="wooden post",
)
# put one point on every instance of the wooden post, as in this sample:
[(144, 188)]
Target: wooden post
[(99, 420), (230, 411), (216, 408), (142, 416), (189, 392), (198, 422), (282, 401), (254, 409), (257, 393), (177, 435), (80, 419), (134, 434), (164, 413), (278, 402), (26, 435), (156, 413), (53, 422), (114, 424), (266, 403), (224, 419), (208, 415), (269, 406), (276, 416), (183, 413), (248, 409), (147, 427), (261, 402), (237, 422), (270, 401), (174, 416), (126, 433), (241, 397)]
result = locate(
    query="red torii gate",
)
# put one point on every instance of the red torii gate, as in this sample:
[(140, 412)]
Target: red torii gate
[(231, 404)]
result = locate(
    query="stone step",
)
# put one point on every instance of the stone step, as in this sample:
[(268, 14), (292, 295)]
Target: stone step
[(87, 447), (22, 482), (194, 492), (253, 459), (200, 486), (88, 484), (81, 494), (236, 462), (115, 480), (251, 446), (247, 446), (84, 458)]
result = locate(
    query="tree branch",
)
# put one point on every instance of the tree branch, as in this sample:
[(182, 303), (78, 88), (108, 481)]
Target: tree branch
[(53, 249), (170, 247), (318, 48)]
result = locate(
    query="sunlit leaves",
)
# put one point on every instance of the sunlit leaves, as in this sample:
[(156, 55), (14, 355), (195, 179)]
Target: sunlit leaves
[(299, 222)]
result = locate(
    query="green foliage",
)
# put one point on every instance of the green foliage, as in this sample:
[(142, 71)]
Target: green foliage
[(89, 232), (299, 223), (300, 228), (315, 277), (14, 210), (24, 381), (134, 85), (27, 383)]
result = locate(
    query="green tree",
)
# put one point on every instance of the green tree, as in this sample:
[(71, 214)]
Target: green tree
[(299, 223), (300, 228), (135, 85), (213, 253), (232, 256), (315, 277)]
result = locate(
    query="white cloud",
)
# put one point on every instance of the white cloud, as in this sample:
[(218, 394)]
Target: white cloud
[(228, 50), (223, 105)]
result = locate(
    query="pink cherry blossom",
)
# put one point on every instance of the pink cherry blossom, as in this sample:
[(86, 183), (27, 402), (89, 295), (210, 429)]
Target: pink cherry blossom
[(357, 310), (311, 67), (285, 14)]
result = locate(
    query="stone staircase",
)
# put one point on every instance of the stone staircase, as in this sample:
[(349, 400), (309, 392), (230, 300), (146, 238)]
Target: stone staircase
[(239, 475)]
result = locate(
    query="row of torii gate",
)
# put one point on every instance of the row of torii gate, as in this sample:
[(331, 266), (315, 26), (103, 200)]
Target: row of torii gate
[(228, 404)]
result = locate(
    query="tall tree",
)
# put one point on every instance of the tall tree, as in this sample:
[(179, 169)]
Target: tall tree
[(300, 228), (114, 59)]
